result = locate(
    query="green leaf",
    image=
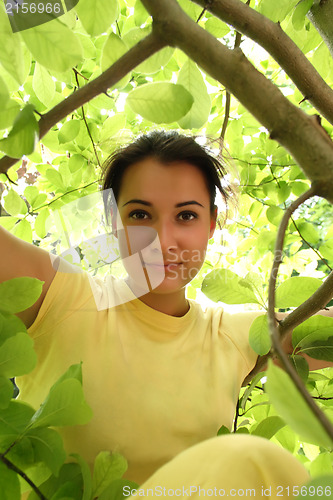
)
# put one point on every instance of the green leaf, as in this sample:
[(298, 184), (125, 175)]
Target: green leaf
[(225, 286), (321, 465), (119, 489), (17, 356), (283, 192), (318, 488), (223, 430), (64, 405), (296, 290), (40, 222), (191, 79), (23, 136), (53, 45), (140, 13), (74, 371), (277, 11), (11, 53), (67, 491), (107, 467), (156, 62), (10, 486), (6, 391), (55, 178), (18, 294), (315, 328), (259, 338), (14, 420), (274, 215), (86, 475), (216, 27), (14, 204), (43, 85), (299, 15), (160, 102), (307, 230), (190, 8), (21, 454), (268, 427), (10, 325), (69, 131), (23, 230), (320, 349), (8, 113), (4, 95), (97, 16), (112, 126), (67, 485), (290, 405), (301, 366), (48, 448), (31, 193)]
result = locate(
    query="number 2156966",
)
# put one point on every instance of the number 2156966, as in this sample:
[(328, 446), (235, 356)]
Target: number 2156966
[(32, 8)]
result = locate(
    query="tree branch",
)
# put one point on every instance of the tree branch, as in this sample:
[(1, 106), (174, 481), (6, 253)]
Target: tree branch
[(137, 54), (311, 306), (306, 140), (273, 328), (277, 43), (18, 471)]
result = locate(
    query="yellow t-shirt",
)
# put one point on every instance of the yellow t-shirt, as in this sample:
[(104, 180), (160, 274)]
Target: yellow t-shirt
[(157, 384)]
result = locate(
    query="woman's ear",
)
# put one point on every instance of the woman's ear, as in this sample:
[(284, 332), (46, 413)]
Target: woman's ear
[(213, 220)]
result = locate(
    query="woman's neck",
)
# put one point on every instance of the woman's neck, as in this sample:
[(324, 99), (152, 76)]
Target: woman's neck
[(174, 304)]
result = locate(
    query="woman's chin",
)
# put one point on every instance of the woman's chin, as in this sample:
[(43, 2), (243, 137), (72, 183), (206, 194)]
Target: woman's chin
[(171, 282)]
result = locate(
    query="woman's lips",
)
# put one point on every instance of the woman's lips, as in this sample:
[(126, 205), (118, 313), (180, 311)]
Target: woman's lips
[(166, 265)]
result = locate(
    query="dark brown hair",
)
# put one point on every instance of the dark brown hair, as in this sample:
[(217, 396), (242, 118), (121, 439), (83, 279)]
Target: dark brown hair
[(167, 147)]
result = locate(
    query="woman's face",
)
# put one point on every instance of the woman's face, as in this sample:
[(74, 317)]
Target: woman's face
[(166, 219)]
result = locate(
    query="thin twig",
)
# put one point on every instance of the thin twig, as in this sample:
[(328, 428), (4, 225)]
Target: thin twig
[(236, 416), (18, 471), (85, 121), (273, 328), (238, 40), (201, 14)]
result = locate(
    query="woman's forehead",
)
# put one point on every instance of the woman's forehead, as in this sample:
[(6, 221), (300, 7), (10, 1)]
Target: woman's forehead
[(151, 177)]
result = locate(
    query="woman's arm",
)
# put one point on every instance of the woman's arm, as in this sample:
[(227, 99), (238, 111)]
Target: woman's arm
[(17, 259)]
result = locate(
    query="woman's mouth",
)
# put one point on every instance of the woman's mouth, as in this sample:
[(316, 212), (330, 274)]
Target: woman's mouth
[(166, 265)]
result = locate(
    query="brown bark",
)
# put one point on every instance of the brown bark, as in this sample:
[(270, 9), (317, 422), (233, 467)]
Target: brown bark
[(278, 44), (299, 133)]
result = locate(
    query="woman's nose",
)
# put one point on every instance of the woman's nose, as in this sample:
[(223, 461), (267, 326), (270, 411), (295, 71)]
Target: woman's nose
[(167, 236)]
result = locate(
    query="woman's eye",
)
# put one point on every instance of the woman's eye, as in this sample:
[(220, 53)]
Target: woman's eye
[(187, 216), (138, 215)]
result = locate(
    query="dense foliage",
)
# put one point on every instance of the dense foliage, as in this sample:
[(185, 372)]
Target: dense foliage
[(41, 68)]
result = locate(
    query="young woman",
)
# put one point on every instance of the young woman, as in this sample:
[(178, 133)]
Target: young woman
[(161, 374)]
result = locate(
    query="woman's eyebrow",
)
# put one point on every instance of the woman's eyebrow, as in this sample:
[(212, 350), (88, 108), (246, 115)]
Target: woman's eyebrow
[(148, 204)]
